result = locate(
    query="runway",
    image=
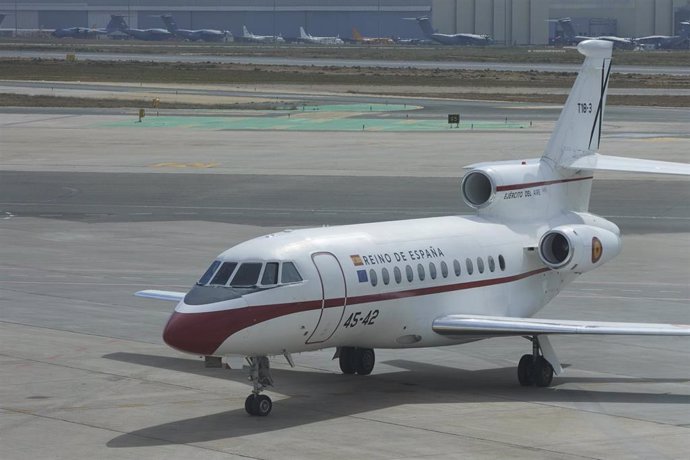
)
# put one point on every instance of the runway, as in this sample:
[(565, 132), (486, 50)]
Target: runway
[(91, 212), (328, 62)]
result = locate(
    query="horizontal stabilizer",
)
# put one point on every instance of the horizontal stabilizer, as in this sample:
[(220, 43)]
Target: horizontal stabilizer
[(599, 162), (161, 295), (494, 326)]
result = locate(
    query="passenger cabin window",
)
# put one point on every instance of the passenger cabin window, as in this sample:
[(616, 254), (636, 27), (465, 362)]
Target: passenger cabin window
[(470, 267), (409, 273), (290, 273), (247, 275), (397, 274), (223, 274), (444, 269), (492, 264), (206, 277), (420, 271), (385, 276), (373, 278), (501, 262), (270, 275), (480, 264), (432, 270), (456, 267)]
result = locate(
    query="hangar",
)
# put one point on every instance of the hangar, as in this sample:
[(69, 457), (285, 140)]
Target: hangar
[(509, 22)]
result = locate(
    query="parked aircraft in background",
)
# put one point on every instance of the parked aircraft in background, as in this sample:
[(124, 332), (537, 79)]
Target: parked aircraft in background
[(668, 42), (140, 34), (207, 35), (250, 37), (450, 39), (569, 36), (427, 282), (87, 32), (305, 37), (358, 38)]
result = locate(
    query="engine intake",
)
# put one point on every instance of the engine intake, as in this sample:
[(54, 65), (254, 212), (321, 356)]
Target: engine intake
[(478, 189), (578, 248)]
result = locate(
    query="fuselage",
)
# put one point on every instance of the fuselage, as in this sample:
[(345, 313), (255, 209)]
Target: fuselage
[(370, 285)]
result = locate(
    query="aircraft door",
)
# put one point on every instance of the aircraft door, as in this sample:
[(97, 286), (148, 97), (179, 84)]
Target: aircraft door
[(334, 296)]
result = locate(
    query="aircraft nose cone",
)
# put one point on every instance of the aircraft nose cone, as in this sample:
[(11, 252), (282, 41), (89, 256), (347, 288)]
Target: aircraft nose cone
[(192, 333)]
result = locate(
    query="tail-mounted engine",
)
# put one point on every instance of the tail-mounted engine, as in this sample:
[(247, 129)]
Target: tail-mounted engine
[(578, 248)]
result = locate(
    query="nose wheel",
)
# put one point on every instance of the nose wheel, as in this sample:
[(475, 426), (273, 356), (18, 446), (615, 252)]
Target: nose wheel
[(534, 369), (260, 376)]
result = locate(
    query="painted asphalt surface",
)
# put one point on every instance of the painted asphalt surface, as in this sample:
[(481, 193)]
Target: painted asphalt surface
[(84, 370)]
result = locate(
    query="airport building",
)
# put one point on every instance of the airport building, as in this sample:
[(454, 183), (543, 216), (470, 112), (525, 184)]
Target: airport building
[(510, 22)]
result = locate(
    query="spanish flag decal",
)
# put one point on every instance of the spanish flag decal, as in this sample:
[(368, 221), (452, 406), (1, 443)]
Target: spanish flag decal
[(357, 260), (597, 249)]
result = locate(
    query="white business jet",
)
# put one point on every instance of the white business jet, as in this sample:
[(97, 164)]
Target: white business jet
[(426, 282), (308, 38), (250, 37)]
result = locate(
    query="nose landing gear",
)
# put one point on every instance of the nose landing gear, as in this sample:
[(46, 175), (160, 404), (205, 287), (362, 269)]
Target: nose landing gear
[(534, 369), (260, 376)]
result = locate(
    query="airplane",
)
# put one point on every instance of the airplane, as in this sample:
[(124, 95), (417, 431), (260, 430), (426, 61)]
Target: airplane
[(207, 35), (139, 34), (450, 39), (250, 37), (305, 37), (681, 41), (86, 32), (358, 38), (426, 282), (571, 38)]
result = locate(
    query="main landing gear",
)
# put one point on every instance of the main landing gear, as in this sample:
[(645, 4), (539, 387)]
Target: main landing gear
[(260, 376), (356, 360), (534, 369)]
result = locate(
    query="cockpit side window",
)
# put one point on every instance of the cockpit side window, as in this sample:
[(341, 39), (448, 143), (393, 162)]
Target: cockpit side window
[(290, 273), (247, 275), (209, 273), (270, 275), (224, 273)]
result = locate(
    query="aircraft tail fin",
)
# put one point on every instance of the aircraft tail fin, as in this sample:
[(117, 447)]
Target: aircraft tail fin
[(684, 29), (578, 129), (117, 22), (245, 31), (567, 26), (356, 35), (425, 24), (303, 33), (169, 22)]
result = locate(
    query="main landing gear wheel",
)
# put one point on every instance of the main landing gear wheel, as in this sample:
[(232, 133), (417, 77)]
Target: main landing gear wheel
[(346, 360), (356, 360), (534, 369)]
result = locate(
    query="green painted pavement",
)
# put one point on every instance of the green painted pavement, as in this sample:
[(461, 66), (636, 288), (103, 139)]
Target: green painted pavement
[(298, 123)]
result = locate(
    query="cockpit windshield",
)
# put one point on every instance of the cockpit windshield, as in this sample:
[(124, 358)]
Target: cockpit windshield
[(249, 274), (223, 274)]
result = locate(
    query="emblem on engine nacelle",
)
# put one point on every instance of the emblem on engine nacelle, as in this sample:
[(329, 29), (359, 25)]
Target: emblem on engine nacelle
[(597, 249)]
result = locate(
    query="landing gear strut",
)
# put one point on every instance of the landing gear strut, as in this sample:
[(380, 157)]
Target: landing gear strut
[(356, 360), (260, 376), (534, 369)]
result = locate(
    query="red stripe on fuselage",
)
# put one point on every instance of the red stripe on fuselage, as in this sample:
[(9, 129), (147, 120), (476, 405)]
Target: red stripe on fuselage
[(204, 332), (507, 188)]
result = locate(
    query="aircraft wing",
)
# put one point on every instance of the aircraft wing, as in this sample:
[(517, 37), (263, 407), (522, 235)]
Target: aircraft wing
[(161, 295), (493, 326)]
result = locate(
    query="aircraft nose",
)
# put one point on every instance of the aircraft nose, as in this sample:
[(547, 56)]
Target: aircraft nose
[(193, 333)]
